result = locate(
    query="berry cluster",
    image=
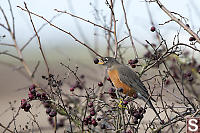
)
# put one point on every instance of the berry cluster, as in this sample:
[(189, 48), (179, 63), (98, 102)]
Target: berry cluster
[(51, 112), (32, 95), (89, 120), (133, 63), (137, 114), (25, 105), (52, 82)]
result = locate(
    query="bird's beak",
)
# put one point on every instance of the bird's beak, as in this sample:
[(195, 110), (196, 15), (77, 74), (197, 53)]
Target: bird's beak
[(101, 62)]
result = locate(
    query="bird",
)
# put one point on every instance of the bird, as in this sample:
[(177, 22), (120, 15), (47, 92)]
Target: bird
[(124, 77)]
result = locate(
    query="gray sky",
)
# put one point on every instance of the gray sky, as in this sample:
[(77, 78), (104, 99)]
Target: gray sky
[(136, 12)]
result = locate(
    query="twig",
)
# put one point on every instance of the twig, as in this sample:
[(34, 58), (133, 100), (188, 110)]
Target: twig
[(178, 21), (114, 24), (129, 31), (7, 129), (38, 32), (36, 67), (40, 46), (5, 53), (5, 44), (13, 19), (84, 20)]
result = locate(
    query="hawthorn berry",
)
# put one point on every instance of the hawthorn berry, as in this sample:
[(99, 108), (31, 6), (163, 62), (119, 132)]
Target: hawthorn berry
[(94, 122), (98, 119), (92, 113), (90, 104), (48, 110), (71, 89), (108, 79), (31, 96), (91, 109), (133, 65), (52, 113), (23, 103), (153, 29), (192, 39), (103, 126), (100, 84), (125, 102), (162, 122), (27, 107)]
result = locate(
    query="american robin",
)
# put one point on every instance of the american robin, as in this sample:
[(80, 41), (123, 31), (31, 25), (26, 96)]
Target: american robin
[(123, 77)]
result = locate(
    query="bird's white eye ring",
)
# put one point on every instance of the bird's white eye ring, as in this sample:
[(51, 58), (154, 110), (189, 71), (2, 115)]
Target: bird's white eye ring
[(106, 59)]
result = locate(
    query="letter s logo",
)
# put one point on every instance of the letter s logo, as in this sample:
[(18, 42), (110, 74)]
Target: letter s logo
[(192, 125)]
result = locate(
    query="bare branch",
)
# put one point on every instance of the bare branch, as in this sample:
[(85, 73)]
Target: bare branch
[(40, 46), (192, 33), (5, 44), (62, 30), (38, 32), (129, 31), (83, 20)]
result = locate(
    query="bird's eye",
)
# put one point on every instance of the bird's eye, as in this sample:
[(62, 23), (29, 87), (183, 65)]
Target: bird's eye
[(106, 59)]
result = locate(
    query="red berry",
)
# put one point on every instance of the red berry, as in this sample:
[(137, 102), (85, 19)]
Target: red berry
[(33, 86), (135, 121), (133, 65), (89, 117), (27, 108), (103, 126), (129, 131), (135, 61), (108, 79), (71, 89), (125, 102), (23, 104), (100, 84), (130, 62), (31, 96), (94, 122), (91, 109), (48, 110), (92, 113), (188, 25), (38, 95), (167, 82), (192, 39), (23, 101), (44, 96), (111, 90), (162, 122), (90, 104), (135, 95), (153, 28), (52, 113), (98, 119)]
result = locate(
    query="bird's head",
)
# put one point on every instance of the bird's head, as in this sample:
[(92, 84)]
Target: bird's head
[(107, 61)]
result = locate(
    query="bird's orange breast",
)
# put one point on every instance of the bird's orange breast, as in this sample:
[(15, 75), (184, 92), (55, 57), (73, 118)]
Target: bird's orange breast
[(114, 76)]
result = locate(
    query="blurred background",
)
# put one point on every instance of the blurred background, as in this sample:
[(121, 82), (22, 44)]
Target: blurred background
[(60, 47)]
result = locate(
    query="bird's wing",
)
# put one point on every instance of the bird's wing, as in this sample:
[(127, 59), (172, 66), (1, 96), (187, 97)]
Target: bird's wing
[(130, 78)]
